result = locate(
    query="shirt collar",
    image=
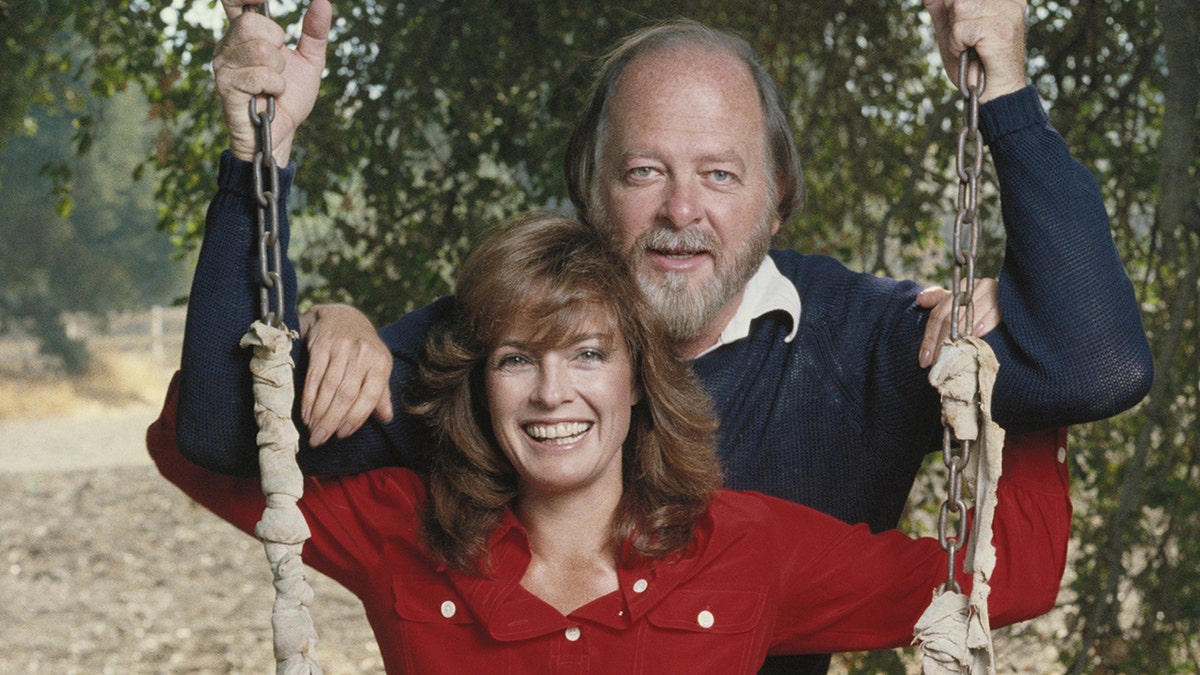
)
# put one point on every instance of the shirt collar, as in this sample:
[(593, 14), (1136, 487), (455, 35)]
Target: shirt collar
[(767, 291)]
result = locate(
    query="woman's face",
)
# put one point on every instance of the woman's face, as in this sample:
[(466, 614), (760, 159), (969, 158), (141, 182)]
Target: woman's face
[(561, 414)]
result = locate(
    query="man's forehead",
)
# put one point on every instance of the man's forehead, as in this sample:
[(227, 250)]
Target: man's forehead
[(696, 62)]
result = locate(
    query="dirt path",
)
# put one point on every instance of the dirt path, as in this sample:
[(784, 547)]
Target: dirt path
[(107, 568)]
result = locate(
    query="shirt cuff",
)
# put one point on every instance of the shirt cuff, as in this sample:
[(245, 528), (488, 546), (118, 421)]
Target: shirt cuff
[(1011, 113), (237, 176)]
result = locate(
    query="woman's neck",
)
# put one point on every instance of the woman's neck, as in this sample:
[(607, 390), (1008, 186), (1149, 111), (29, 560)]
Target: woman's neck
[(573, 556)]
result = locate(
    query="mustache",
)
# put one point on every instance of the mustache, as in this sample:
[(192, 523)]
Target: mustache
[(670, 239)]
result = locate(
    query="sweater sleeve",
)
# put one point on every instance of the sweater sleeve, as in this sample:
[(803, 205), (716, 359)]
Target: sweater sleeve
[(845, 589), (216, 427), (1071, 347)]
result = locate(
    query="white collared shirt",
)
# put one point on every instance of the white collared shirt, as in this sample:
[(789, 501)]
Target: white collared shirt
[(767, 291)]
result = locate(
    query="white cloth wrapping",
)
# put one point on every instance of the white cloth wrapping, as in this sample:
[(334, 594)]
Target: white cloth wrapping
[(282, 529), (954, 632)]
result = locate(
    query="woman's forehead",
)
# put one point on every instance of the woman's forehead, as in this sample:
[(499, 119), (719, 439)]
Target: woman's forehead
[(562, 325)]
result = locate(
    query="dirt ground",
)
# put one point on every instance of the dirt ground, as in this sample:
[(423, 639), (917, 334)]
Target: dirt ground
[(109, 569)]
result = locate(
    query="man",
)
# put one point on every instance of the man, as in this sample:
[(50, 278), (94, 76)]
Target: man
[(685, 155)]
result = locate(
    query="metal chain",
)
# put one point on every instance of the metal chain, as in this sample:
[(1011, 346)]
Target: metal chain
[(965, 239), (270, 256)]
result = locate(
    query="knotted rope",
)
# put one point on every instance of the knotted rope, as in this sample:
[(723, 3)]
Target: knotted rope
[(954, 631), (282, 529)]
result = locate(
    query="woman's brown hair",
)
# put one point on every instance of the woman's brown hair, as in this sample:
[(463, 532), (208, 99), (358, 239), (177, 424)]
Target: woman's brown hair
[(555, 272)]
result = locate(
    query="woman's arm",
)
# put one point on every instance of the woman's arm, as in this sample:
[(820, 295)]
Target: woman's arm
[(845, 589)]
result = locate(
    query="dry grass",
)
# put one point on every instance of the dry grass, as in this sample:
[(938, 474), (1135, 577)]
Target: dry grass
[(116, 379)]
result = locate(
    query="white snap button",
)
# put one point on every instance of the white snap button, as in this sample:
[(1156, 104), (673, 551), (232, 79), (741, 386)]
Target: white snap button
[(448, 609), (1062, 455), (705, 619), (640, 585), (572, 633)]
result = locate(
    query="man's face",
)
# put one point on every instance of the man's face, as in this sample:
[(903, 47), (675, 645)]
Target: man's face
[(685, 183)]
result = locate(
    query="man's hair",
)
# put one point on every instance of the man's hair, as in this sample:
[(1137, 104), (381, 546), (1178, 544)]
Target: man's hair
[(558, 275), (581, 165)]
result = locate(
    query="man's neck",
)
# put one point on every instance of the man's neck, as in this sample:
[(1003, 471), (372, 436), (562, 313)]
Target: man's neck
[(692, 347)]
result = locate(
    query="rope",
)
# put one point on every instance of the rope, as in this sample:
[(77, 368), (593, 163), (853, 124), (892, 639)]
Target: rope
[(954, 631), (282, 528)]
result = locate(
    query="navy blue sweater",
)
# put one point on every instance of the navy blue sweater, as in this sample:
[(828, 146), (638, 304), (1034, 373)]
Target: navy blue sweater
[(840, 417)]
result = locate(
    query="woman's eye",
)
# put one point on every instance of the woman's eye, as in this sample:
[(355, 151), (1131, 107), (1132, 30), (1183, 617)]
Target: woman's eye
[(511, 361), (591, 355)]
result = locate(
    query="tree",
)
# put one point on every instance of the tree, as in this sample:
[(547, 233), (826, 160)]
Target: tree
[(76, 233), (1138, 588)]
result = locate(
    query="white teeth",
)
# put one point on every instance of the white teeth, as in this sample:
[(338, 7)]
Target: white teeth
[(562, 433)]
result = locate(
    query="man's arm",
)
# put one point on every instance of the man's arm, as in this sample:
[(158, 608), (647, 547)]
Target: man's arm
[(1071, 346), (216, 425)]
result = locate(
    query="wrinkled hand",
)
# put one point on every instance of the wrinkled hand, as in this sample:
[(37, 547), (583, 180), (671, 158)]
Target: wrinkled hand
[(987, 316), (995, 28), (253, 60), (349, 369)]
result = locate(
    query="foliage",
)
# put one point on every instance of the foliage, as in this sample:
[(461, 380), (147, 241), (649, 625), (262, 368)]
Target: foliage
[(1137, 593), (437, 118), (75, 234)]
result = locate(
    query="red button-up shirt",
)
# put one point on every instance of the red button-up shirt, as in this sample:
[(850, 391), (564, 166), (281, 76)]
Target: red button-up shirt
[(765, 575)]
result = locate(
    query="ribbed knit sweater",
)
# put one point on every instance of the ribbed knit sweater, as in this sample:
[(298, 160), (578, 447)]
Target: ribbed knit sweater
[(840, 417)]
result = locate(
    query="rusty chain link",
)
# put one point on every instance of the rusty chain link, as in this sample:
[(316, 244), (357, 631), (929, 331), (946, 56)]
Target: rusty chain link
[(965, 240), (270, 255)]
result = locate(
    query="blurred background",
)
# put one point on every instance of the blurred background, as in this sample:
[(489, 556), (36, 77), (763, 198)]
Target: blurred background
[(439, 117)]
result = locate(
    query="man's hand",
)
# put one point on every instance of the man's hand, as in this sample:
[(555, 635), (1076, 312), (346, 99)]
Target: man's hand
[(349, 369), (987, 316), (252, 60), (995, 28)]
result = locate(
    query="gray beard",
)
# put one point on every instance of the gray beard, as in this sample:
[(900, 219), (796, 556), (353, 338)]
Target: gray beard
[(688, 311)]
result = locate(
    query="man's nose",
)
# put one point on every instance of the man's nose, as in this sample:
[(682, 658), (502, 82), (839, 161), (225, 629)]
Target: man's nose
[(681, 204)]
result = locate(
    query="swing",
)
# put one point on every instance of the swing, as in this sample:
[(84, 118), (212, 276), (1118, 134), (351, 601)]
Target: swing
[(954, 632), (282, 529)]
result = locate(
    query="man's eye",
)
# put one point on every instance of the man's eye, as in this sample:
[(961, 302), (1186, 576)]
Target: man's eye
[(641, 172), (722, 176)]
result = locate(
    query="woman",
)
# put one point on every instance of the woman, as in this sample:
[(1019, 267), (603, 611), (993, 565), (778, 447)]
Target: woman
[(572, 521)]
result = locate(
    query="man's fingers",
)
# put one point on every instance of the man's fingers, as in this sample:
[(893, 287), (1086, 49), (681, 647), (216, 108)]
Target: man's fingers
[(361, 407), (317, 365), (383, 407), (937, 326), (314, 32), (986, 301), (930, 297), (323, 417)]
